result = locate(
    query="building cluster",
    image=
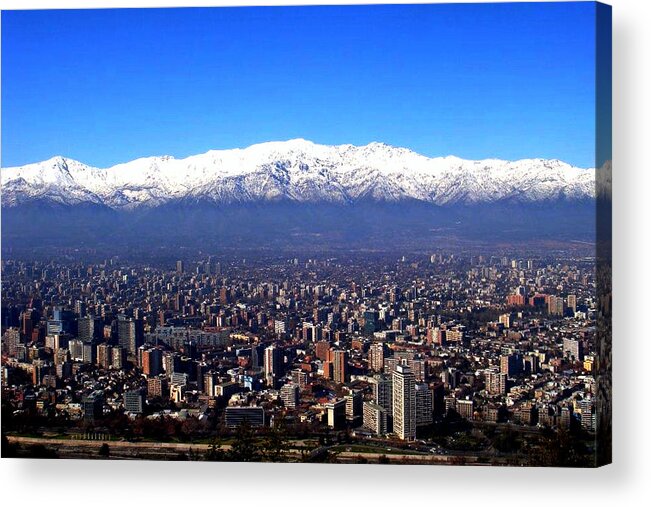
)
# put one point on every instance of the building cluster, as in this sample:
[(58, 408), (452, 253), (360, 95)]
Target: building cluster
[(380, 345)]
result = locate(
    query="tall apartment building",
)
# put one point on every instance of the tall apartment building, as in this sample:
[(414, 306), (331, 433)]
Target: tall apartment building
[(354, 403), (496, 382), (383, 392), (152, 362), (465, 408), (104, 355), (339, 360), (571, 302), (376, 357), (118, 358), (404, 403), (424, 405), (289, 394), (375, 418)]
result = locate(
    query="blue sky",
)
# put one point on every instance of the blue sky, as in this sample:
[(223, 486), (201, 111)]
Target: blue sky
[(472, 80)]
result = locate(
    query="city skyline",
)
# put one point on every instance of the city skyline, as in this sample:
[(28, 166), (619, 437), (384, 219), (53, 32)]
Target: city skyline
[(378, 353)]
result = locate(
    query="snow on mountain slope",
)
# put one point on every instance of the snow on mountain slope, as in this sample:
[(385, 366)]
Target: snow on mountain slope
[(297, 170)]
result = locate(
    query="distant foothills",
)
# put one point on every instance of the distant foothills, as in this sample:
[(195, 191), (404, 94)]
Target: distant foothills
[(295, 191)]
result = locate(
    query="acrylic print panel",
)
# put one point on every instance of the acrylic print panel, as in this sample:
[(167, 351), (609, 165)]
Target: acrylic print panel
[(342, 234)]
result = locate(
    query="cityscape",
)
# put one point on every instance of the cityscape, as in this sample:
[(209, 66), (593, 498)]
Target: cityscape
[(365, 234), (359, 357)]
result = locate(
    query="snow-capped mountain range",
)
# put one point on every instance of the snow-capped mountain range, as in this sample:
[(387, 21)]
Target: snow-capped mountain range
[(297, 171)]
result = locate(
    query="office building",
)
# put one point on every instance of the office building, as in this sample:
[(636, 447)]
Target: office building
[(254, 416), (134, 401)]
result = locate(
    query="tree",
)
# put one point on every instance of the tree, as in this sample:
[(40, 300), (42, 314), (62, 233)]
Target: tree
[(9, 450), (559, 449), (215, 451), (104, 450), (245, 446), (275, 445)]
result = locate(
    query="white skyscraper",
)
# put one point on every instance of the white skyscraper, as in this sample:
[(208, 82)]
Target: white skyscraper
[(404, 403)]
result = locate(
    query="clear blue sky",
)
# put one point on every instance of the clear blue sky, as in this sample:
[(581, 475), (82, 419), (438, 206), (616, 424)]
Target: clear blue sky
[(475, 80)]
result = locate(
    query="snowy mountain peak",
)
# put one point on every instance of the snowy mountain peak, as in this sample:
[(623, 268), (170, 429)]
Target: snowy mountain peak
[(297, 170)]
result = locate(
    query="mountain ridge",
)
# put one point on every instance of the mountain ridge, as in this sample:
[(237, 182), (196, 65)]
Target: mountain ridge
[(298, 171)]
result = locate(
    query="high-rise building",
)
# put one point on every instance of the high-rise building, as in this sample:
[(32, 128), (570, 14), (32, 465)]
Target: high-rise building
[(505, 320), (289, 394), (280, 327), (339, 360), (257, 356), (573, 349), (383, 392), (374, 418), (571, 302), (376, 357), (496, 382), (27, 320), (11, 340), (210, 380), (555, 305), (157, 387), (179, 267), (336, 413), (322, 350), (511, 364), (273, 365), (565, 421), (89, 353), (127, 334), (371, 318), (86, 329), (104, 355), (226, 390), (465, 408), (354, 403), (76, 348), (152, 362), (587, 414), (118, 359), (404, 403), (424, 405), (80, 308)]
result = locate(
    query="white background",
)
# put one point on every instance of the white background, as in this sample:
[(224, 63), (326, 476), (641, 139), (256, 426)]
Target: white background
[(626, 482)]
